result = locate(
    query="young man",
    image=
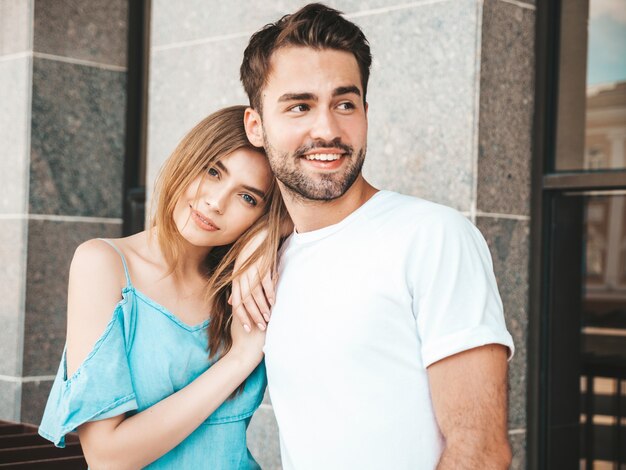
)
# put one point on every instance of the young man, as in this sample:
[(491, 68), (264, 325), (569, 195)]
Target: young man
[(387, 346)]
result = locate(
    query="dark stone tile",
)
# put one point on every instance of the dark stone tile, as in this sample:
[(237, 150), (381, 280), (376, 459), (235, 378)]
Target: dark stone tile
[(15, 26), (518, 446), (95, 30), (509, 244), (14, 133), (12, 289), (51, 246), (263, 439), (10, 401), (77, 143), (506, 108), (34, 398)]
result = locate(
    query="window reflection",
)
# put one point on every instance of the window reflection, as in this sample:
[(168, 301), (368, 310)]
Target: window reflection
[(606, 86), (603, 353)]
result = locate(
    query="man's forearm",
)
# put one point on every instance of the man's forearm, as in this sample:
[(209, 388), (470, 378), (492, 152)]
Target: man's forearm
[(476, 454)]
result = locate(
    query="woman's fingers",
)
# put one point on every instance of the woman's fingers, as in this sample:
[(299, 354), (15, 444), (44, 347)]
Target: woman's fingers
[(268, 288), (238, 310), (259, 297), (249, 303)]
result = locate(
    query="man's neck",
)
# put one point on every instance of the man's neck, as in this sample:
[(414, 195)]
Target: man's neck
[(309, 215)]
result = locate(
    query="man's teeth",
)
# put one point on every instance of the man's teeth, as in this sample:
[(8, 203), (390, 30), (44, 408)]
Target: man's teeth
[(325, 157)]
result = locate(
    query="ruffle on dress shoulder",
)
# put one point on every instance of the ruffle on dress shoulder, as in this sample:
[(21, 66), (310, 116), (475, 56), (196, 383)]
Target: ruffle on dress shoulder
[(100, 388)]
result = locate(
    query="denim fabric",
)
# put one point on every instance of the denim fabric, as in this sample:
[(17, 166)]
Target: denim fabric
[(144, 355)]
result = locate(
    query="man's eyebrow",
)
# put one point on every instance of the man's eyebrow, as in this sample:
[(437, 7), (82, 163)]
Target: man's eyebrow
[(344, 90), (297, 97), (256, 191), (222, 167)]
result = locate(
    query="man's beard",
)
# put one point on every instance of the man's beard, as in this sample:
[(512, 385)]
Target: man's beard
[(325, 187)]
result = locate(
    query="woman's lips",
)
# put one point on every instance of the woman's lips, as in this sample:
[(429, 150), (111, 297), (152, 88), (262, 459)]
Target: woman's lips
[(203, 222)]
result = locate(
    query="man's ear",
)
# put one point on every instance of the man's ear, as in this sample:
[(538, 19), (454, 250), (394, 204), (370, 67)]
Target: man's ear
[(254, 127)]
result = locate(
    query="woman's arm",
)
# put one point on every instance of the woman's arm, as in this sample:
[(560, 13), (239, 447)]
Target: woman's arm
[(134, 442)]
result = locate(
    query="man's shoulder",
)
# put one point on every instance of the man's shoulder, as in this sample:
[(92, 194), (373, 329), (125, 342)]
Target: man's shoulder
[(411, 209)]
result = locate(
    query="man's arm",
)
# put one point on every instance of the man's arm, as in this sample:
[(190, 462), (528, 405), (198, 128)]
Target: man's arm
[(469, 394)]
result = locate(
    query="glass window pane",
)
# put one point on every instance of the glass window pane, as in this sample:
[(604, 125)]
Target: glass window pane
[(603, 377), (605, 94)]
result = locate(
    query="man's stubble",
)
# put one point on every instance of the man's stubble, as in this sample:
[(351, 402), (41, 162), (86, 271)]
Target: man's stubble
[(329, 186)]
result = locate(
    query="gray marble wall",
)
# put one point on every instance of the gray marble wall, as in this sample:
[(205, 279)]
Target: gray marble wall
[(63, 73), (450, 116)]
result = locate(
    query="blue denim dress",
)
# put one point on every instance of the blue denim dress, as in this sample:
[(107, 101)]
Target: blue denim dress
[(144, 355)]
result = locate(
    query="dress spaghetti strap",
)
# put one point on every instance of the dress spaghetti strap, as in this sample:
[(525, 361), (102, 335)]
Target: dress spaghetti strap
[(119, 252)]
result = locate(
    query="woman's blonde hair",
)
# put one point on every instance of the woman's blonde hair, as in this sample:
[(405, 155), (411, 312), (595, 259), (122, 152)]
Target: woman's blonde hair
[(212, 139)]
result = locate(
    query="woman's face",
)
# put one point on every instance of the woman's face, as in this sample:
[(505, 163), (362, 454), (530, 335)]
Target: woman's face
[(221, 204)]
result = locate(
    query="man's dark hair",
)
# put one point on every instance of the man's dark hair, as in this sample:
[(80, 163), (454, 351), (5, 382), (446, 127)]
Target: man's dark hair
[(314, 25)]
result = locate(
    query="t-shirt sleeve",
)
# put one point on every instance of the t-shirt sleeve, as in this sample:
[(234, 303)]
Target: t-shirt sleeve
[(456, 301), (100, 388)]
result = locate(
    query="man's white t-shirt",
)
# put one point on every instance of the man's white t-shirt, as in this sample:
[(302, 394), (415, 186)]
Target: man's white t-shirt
[(363, 307)]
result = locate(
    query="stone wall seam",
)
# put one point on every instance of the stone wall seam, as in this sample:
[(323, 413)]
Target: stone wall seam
[(87, 63), (63, 218), (527, 6), (401, 6), (496, 215), (201, 41), (16, 55), (27, 379), (476, 114), (513, 432)]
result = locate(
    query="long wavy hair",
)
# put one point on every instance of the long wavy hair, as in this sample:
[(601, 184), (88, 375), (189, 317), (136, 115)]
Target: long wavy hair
[(212, 139)]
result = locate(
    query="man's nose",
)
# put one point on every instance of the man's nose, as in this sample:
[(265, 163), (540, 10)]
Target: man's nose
[(325, 127)]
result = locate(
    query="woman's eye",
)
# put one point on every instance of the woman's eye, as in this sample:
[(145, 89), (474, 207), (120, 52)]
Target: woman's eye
[(213, 172), (249, 199)]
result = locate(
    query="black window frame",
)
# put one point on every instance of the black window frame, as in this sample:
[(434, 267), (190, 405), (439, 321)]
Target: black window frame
[(548, 187)]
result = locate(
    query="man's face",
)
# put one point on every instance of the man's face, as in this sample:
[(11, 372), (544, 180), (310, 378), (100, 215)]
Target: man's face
[(314, 122)]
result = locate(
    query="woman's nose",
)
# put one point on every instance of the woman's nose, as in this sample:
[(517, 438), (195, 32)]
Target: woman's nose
[(216, 200)]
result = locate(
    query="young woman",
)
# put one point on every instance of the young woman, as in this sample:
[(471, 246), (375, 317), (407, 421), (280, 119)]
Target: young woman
[(155, 374)]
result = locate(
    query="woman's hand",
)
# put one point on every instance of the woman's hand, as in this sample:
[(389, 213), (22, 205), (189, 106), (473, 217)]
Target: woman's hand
[(253, 292), (247, 347)]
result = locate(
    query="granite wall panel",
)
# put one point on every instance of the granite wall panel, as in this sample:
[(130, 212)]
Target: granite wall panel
[(422, 101), (34, 397), (12, 276), (16, 21), (94, 31), (187, 84), (15, 89), (10, 396), (263, 439), (195, 21), (77, 143), (506, 108), (51, 246), (518, 447), (509, 244)]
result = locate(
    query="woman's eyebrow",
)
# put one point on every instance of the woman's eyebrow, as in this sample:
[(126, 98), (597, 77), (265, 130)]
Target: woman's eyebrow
[(222, 167), (256, 191)]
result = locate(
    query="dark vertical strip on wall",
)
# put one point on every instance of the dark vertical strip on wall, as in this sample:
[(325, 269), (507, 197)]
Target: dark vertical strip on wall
[(546, 79), (136, 116)]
